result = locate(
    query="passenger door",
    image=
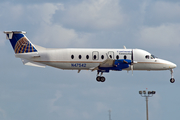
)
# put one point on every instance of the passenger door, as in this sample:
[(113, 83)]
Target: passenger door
[(111, 54), (95, 55)]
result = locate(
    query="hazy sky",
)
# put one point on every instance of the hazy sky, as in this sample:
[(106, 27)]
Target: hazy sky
[(31, 93)]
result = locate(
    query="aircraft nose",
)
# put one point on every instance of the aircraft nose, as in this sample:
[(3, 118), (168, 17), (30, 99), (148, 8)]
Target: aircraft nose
[(167, 64), (172, 65)]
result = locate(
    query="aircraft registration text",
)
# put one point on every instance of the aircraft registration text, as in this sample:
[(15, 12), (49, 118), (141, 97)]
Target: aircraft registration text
[(78, 65)]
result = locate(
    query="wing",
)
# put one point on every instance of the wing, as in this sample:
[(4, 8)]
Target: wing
[(111, 64), (106, 63)]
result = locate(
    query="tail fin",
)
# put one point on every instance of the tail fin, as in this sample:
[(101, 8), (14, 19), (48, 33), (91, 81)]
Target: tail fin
[(20, 42)]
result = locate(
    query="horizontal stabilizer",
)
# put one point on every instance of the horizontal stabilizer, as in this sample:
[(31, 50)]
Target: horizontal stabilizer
[(27, 55), (9, 34), (31, 63)]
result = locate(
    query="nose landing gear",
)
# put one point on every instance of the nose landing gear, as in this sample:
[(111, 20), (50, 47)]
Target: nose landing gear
[(172, 80), (100, 78)]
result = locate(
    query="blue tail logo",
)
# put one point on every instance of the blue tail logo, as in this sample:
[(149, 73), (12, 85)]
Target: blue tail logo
[(20, 42)]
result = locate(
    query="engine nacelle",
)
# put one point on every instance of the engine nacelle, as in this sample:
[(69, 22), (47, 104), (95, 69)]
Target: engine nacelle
[(122, 63)]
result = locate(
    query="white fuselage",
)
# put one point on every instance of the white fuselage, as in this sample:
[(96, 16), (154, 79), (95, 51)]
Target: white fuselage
[(88, 59), (100, 60)]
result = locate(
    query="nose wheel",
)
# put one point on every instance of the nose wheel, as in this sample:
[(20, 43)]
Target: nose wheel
[(100, 78), (172, 80)]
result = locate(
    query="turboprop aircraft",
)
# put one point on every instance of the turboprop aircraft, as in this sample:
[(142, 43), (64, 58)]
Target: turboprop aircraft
[(100, 60)]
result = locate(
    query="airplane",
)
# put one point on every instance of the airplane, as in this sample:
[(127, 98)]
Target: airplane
[(100, 60)]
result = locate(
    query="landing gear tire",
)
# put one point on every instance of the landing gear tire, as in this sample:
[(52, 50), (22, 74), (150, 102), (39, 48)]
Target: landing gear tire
[(103, 79), (172, 80), (98, 78)]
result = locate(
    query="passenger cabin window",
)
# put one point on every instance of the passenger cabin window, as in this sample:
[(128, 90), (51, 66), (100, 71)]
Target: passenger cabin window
[(94, 57), (110, 56), (87, 56), (102, 56), (80, 56), (72, 56)]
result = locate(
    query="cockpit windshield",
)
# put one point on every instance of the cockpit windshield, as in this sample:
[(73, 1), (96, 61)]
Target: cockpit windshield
[(153, 57)]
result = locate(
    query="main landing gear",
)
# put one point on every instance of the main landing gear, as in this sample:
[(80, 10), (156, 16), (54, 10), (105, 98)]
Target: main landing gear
[(100, 78), (172, 80)]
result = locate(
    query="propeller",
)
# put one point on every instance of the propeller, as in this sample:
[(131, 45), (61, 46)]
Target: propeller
[(133, 62), (132, 69)]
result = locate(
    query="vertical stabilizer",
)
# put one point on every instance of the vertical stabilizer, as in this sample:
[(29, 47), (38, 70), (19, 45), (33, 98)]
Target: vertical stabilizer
[(20, 42)]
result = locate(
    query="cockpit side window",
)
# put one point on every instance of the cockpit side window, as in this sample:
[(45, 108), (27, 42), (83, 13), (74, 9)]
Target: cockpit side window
[(147, 56)]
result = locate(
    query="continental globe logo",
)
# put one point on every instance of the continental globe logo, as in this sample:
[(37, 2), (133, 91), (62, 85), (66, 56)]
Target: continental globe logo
[(24, 46)]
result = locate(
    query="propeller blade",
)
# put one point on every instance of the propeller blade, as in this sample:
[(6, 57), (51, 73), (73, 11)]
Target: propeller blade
[(132, 69)]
